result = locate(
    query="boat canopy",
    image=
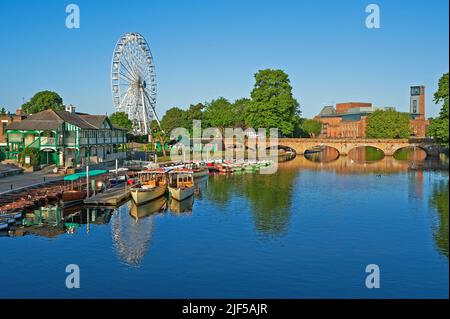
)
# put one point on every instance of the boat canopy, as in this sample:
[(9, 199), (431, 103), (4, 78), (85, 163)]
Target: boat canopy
[(181, 171), (161, 170), (74, 177)]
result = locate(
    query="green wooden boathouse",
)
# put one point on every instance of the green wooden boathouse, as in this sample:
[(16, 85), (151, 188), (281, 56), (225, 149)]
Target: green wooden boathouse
[(67, 138)]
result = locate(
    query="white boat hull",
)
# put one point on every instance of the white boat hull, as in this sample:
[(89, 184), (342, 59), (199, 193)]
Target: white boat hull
[(181, 193), (144, 195)]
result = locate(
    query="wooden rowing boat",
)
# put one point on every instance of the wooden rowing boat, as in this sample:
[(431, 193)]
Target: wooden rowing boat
[(72, 197)]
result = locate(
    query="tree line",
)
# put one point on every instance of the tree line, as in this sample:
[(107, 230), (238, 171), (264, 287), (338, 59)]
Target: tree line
[(271, 104)]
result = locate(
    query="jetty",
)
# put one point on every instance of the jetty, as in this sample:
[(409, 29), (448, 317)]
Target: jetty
[(113, 196)]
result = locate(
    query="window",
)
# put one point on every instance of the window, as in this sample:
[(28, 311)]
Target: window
[(414, 106)]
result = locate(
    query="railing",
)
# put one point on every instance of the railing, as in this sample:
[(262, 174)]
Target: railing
[(15, 138), (35, 144), (113, 156), (48, 141), (71, 141)]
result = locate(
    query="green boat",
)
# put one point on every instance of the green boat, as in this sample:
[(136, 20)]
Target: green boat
[(250, 168)]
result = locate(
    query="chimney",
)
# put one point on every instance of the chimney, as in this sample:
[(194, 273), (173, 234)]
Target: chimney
[(70, 108)]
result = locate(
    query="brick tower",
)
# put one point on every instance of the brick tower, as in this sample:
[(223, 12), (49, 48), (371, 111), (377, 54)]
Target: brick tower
[(417, 102)]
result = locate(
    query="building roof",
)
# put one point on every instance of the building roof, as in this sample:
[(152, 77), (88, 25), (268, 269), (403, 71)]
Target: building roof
[(52, 120), (45, 120), (94, 120), (75, 119), (328, 110), (119, 128)]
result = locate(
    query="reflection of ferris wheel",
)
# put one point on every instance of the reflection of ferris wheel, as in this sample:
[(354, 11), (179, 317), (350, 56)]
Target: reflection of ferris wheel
[(133, 81), (130, 237)]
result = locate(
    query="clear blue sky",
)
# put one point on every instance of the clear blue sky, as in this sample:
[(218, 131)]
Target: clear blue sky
[(207, 49)]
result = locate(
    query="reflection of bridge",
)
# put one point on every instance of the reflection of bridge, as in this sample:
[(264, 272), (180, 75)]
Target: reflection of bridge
[(344, 146), (346, 165)]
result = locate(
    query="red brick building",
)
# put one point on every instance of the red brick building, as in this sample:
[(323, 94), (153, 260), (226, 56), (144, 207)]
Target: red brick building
[(349, 120), (5, 119)]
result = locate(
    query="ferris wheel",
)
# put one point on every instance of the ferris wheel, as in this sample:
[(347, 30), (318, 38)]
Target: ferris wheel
[(133, 81)]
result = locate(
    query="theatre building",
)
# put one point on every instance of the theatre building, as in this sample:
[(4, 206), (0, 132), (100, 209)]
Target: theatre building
[(349, 120), (66, 138)]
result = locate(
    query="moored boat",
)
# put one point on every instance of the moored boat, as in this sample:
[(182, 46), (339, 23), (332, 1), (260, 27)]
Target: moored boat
[(199, 170), (152, 185), (4, 224), (118, 176), (75, 186), (73, 196), (249, 167), (181, 183)]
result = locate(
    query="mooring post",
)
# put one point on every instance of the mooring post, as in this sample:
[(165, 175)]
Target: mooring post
[(117, 171), (87, 181)]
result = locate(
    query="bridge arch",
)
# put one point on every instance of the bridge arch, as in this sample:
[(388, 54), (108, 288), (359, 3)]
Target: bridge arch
[(322, 153), (366, 154), (282, 147), (388, 146), (415, 153)]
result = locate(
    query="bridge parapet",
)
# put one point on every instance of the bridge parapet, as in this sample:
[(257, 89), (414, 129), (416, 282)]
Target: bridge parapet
[(344, 146)]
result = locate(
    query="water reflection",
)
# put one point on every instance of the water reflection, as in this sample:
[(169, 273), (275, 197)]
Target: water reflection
[(181, 207), (270, 200), (307, 214), (131, 236), (387, 165), (322, 154), (200, 183), (410, 154), (268, 195), (147, 209), (439, 200), (366, 154), (220, 188)]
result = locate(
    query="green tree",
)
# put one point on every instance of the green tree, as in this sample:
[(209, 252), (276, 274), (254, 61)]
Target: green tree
[(272, 104), (239, 107), (311, 127), (3, 111), (219, 113), (42, 101), (438, 127), (195, 112), (33, 153), (121, 119), (388, 124), (162, 138), (173, 118)]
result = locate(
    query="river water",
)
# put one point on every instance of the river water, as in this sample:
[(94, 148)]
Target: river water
[(308, 231)]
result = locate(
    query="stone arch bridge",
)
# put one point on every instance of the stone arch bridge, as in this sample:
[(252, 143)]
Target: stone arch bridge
[(344, 146)]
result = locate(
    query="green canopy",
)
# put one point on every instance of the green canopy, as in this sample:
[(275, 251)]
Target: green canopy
[(74, 177)]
